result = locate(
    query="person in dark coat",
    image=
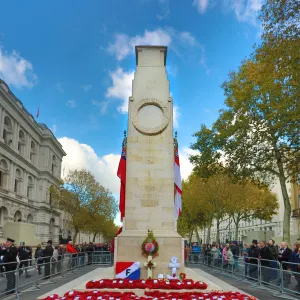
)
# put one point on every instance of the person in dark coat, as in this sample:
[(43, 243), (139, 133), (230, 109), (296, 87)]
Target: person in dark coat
[(284, 257), (24, 256), (236, 253), (253, 260), (90, 249), (47, 254), (295, 266), (265, 261), (10, 252), (39, 258)]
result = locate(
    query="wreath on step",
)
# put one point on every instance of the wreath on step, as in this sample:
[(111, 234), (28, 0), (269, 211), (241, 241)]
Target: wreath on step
[(150, 245)]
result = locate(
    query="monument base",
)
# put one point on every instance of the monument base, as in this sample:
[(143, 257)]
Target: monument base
[(128, 249)]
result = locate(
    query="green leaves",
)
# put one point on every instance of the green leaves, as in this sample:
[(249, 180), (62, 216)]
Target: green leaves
[(91, 206)]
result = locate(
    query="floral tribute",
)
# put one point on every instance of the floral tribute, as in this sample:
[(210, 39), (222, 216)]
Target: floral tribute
[(150, 246), (149, 295), (146, 284)]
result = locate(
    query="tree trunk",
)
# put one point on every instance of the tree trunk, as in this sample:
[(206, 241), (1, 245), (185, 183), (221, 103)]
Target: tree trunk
[(218, 232), (203, 235), (94, 237), (191, 236), (75, 236), (208, 235), (286, 201), (197, 236), (236, 230)]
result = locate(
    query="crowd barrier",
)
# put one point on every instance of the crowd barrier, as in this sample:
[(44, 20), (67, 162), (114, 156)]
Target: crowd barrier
[(29, 275), (282, 279)]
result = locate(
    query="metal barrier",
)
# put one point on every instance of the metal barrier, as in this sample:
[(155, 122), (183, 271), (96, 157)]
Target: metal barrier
[(29, 275), (281, 279)]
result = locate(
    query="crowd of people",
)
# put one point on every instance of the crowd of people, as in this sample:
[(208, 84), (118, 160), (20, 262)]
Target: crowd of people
[(269, 255), (50, 258)]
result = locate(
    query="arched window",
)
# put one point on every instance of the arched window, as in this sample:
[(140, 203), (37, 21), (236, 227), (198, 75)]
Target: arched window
[(18, 216), (30, 187), (7, 131), (21, 143), (4, 174), (18, 182), (30, 218), (3, 216)]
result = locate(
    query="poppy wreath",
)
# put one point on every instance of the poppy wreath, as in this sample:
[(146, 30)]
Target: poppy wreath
[(150, 245), (150, 295)]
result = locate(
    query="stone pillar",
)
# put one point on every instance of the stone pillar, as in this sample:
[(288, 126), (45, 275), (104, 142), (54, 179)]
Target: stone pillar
[(1, 123), (150, 164)]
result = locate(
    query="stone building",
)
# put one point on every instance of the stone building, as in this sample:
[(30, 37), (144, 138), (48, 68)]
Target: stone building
[(30, 162)]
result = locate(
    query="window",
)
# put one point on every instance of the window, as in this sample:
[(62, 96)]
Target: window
[(32, 152), (18, 180), (4, 173), (53, 167), (7, 131), (298, 201), (30, 188), (21, 143)]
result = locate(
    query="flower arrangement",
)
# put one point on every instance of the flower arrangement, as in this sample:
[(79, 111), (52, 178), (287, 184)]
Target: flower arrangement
[(96, 294), (182, 276), (150, 264), (150, 246)]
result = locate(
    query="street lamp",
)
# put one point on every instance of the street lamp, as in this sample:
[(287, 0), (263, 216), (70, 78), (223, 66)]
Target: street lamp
[(265, 233)]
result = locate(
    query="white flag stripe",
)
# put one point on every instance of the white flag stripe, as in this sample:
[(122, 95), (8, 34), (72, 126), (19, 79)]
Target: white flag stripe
[(177, 176), (178, 205)]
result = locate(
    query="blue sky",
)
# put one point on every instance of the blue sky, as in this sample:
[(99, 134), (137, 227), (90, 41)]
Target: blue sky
[(75, 60)]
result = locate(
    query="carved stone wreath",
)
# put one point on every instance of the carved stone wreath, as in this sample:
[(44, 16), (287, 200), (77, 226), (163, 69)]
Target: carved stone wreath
[(147, 130)]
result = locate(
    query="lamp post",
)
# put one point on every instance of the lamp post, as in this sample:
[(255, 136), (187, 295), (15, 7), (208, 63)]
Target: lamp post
[(265, 233)]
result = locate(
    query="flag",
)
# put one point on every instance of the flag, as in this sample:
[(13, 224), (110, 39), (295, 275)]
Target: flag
[(38, 113), (128, 270), (178, 187), (122, 175)]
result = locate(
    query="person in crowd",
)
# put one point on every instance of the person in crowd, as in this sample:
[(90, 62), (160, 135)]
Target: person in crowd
[(253, 260), (274, 254), (265, 257), (38, 258), (284, 256), (47, 254), (236, 253), (81, 254), (90, 249), (54, 260), (23, 253), (61, 251), (246, 255), (215, 254), (9, 253), (208, 253), (295, 267), (73, 252), (196, 251), (227, 257)]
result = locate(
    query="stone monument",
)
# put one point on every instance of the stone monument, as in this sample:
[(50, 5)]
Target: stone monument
[(150, 166)]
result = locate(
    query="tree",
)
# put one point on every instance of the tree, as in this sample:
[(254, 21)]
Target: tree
[(251, 201), (90, 205)]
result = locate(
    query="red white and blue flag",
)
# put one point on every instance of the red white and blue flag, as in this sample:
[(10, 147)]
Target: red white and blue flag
[(122, 175), (178, 187), (128, 270)]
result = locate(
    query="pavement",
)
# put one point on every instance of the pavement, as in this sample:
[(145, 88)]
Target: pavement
[(73, 279)]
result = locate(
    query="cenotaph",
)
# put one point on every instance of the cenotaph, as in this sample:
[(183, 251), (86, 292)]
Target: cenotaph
[(150, 166)]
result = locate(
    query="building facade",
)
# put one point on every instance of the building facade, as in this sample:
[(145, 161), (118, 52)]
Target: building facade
[(261, 229), (30, 162)]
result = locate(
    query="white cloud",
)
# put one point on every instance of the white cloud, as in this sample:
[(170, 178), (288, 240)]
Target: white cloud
[(102, 105), (16, 70), (201, 5), (121, 87), (176, 115), (71, 103), (84, 156), (186, 167), (164, 6), (246, 10), (124, 45), (172, 69), (86, 87), (187, 37)]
